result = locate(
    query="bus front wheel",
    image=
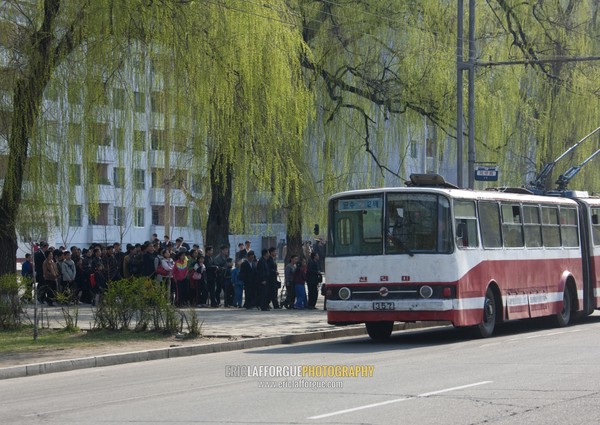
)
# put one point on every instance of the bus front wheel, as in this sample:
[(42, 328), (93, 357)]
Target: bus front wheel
[(488, 323), (379, 331)]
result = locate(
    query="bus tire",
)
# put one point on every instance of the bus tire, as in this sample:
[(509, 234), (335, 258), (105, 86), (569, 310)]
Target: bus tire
[(563, 318), (488, 322), (379, 331)]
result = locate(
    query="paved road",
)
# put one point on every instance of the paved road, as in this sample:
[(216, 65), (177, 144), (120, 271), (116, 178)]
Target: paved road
[(529, 373)]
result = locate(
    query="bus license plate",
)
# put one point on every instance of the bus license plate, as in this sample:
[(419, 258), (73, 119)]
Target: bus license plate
[(381, 305)]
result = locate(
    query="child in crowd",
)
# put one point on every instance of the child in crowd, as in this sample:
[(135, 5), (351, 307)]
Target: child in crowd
[(299, 284)]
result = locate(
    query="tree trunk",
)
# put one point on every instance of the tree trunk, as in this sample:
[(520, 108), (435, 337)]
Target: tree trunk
[(294, 224), (217, 226), (294, 243), (27, 97)]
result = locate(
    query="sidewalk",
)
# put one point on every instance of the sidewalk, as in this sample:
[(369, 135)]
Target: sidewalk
[(223, 329)]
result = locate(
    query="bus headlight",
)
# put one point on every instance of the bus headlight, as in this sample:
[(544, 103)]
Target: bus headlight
[(426, 291), (344, 293)]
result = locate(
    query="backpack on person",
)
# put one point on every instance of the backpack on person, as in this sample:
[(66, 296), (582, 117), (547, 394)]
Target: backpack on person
[(161, 270)]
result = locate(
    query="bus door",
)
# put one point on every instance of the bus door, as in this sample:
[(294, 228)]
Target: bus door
[(589, 233)]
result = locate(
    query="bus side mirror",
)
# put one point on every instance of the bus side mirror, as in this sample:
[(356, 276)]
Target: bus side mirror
[(316, 229)]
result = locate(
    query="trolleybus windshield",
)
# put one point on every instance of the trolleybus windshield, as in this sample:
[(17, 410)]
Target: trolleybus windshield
[(399, 223)]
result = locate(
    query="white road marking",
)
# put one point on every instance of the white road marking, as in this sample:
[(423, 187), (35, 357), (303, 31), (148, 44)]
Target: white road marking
[(383, 403)]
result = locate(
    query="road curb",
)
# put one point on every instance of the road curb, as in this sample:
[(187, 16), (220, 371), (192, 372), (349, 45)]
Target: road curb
[(190, 350)]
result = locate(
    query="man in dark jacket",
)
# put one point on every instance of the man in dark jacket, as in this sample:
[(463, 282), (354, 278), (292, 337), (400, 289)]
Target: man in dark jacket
[(211, 277), (147, 266), (38, 258), (313, 277), (262, 277), (248, 276)]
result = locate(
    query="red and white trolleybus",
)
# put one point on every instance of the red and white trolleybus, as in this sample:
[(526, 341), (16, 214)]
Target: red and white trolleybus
[(432, 252)]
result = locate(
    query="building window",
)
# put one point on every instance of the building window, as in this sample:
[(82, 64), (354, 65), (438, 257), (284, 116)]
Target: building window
[(139, 99), (179, 178), (97, 92), (158, 215), (413, 149), (101, 216), (98, 173), (99, 134), (119, 216), (157, 178), (51, 172), (430, 148), (119, 99), (139, 140), (181, 216), (139, 177), (74, 94), (139, 217), (180, 141), (196, 183), (157, 101), (52, 92), (52, 130), (120, 137), (119, 177), (75, 174), (75, 216), (74, 133), (157, 140)]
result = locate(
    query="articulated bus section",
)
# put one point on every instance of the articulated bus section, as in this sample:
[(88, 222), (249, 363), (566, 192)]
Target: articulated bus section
[(468, 257)]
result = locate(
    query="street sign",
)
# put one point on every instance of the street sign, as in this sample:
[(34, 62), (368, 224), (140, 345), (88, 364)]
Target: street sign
[(486, 173)]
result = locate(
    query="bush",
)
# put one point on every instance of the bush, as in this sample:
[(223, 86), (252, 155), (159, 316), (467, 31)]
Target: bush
[(69, 309), (11, 289), (141, 300)]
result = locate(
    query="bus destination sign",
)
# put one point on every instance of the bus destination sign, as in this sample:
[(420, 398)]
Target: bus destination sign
[(359, 204)]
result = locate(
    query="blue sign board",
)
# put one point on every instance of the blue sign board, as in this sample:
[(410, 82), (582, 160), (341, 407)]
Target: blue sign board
[(486, 173)]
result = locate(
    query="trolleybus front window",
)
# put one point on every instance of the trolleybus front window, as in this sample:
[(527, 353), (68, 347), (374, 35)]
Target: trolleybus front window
[(357, 226), (417, 223)]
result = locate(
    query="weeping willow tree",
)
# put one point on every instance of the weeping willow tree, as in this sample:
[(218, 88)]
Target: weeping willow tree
[(531, 114), (385, 78), (228, 87), (381, 73)]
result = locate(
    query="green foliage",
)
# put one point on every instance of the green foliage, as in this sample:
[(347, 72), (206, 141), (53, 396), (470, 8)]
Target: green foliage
[(194, 325), (11, 289), (139, 300), (69, 309)]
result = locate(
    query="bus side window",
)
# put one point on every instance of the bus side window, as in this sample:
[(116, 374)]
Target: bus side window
[(489, 220), (465, 223), (596, 226)]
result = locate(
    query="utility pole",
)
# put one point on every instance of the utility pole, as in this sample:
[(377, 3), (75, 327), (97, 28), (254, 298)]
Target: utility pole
[(471, 108), (469, 66), (459, 94)]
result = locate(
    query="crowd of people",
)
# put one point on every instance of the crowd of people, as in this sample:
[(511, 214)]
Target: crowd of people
[(190, 275)]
